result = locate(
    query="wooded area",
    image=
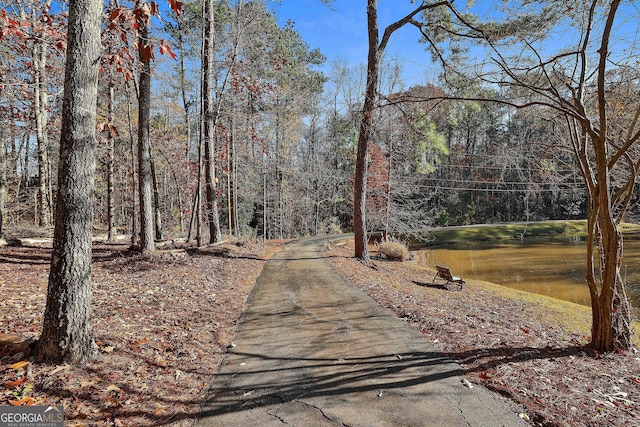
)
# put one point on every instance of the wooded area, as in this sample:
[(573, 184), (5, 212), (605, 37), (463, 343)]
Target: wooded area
[(215, 120), (279, 136)]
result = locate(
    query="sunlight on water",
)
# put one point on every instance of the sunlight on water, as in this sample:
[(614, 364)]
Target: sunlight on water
[(556, 269)]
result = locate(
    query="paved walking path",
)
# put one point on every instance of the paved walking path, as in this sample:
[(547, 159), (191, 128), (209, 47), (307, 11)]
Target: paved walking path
[(313, 350)]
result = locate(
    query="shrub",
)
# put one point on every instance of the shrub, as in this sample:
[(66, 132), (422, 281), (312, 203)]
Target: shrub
[(395, 251)]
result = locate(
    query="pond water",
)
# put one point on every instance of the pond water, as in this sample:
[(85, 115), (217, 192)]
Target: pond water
[(553, 268)]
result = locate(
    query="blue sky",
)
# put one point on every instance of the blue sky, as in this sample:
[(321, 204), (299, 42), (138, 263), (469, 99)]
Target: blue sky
[(341, 33)]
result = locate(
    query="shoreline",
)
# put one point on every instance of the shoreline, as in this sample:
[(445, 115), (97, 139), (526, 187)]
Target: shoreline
[(527, 347)]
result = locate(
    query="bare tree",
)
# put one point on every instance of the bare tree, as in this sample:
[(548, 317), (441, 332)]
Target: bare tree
[(587, 84), (376, 50)]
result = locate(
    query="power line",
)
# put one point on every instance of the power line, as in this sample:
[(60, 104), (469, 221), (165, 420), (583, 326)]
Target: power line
[(501, 190), (466, 181), (509, 168)]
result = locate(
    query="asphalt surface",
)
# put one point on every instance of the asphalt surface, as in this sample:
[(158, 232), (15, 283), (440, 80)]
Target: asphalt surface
[(313, 350)]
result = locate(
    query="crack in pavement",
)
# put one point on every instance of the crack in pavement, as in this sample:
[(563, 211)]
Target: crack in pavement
[(308, 333), (321, 412)]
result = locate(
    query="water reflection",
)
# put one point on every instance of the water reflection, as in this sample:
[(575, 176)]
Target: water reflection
[(552, 268)]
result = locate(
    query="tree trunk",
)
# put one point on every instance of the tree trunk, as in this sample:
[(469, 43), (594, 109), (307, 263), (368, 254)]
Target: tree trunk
[(67, 334), (3, 179), (186, 104), (111, 207), (360, 181), (230, 226), (41, 101), (233, 176), (135, 236), (264, 204), (610, 328), (194, 209), (198, 198), (156, 201), (213, 217), (147, 243), (611, 313)]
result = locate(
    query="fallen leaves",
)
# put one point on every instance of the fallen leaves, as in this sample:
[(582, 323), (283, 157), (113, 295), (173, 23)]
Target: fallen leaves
[(14, 384), (25, 401), (19, 365), (161, 326), (21, 368), (60, 368), (551, 376)]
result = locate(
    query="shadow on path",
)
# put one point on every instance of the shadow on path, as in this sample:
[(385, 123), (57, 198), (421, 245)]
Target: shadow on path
[(313, 350)]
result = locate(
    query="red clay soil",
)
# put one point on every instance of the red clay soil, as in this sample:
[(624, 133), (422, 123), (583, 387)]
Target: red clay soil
[(162, 324), (507, 346)]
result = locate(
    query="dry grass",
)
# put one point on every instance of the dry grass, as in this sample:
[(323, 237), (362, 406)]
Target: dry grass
[(393, 251)]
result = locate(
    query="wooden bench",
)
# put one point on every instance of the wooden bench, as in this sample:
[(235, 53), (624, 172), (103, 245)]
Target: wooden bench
[(444, 273)]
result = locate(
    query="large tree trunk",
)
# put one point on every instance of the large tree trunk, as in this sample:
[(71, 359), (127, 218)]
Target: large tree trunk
[(147, 243), (67, 334), (360, 181), (213, 217), (611, 316)]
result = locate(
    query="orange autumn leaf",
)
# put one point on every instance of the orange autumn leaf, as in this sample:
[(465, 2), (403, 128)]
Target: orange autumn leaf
[(17, 366), (165, 49), (12, 384), (25, 401)]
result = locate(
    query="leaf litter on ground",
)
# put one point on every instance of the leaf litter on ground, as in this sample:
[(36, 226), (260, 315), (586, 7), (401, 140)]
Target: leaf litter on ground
[(550, 375), (161, 324)]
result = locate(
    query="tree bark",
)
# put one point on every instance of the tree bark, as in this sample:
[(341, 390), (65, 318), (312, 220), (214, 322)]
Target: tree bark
[(147, 244), (67, 334), (111, 207), (213, 217), (156, 200), (3, 179), (186, 104), (41, 101), (360, 181), (135, 235)]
